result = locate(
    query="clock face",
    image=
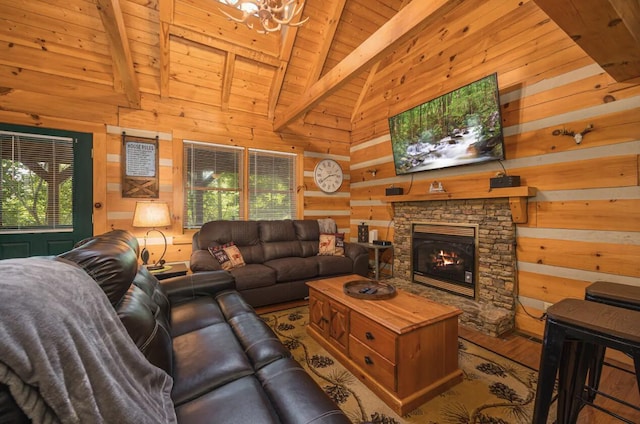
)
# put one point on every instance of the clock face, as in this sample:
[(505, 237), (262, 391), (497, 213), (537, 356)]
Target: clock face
[(328, 175)]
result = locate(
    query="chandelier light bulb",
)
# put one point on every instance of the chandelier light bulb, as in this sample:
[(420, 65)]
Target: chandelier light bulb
[(272, 14)]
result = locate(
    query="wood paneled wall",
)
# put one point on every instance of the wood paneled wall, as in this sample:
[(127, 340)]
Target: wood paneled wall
[(72, 88), (163, 118), (584, 222), (202, 77)]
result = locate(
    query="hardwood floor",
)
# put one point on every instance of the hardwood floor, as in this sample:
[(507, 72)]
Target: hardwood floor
[(618, 380)]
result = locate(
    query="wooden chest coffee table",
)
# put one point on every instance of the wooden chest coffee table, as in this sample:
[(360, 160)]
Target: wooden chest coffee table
[(405, 349)]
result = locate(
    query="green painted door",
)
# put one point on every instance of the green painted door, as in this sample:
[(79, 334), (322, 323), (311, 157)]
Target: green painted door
[(46, 191)]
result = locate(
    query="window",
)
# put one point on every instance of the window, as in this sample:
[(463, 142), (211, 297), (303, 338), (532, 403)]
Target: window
[(272, 185), (213, 183), (219, 186), (37, 182)]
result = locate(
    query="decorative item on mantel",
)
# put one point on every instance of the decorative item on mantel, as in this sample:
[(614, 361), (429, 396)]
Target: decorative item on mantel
[(436, 187), (576, 136), (271, 14)]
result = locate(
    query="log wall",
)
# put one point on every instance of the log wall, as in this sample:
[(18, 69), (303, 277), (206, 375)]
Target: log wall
[(65, 80), (583, 223), (198, 82)]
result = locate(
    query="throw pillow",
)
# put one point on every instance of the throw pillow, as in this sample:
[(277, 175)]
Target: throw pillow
[(234, 255), (228, 256), (331, 244)]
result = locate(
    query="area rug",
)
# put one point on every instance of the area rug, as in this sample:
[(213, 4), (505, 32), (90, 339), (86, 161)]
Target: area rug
[(494, 389)]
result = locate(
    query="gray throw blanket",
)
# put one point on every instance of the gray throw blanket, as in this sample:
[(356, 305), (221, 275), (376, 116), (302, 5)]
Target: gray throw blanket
[(327, 225), (66, 356)]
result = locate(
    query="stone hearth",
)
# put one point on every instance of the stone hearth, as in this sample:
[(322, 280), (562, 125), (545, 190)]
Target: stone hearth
[(493, 310)]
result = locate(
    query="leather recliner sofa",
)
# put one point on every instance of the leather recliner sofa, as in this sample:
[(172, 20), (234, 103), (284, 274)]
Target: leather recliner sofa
[(280, 256), (227, 365)]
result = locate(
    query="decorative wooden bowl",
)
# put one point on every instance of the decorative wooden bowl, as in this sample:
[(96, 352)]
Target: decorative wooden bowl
[(369, 289)]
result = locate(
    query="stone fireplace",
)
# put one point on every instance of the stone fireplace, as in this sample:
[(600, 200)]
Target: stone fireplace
[(444, 257), (490, 307)]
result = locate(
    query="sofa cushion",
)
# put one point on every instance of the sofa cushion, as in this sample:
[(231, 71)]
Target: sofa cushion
[(279, 239), (282, 249), (194, 314), (286, 384), (152, 287), (253, 275), (281, 230), (147, 327), (307, 229), (244, 234), (206, 359), (308, 232), (309, 248), (292, 269), (111, 263), (232, 304), (240, 401), (258, 340)]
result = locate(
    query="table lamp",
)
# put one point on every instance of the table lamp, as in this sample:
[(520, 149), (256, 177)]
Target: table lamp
[(152, 214)]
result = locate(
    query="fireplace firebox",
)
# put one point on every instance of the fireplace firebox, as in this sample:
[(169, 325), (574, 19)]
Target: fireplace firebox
[(444, 257)]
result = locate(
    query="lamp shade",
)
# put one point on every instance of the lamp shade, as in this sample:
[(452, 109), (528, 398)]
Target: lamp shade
[(151, 214)]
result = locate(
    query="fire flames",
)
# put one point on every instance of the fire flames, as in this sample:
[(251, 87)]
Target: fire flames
[(444, 259)]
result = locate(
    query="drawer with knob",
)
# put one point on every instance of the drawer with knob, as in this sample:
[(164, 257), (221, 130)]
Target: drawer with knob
[(378, 367), (373, 335)]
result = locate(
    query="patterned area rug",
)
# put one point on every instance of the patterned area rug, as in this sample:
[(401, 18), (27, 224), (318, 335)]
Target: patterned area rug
[(494, 389)]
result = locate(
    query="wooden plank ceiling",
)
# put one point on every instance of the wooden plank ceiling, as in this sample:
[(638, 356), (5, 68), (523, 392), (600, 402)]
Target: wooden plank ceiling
[(320, 74)]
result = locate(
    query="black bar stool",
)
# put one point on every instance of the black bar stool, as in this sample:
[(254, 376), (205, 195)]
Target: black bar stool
[(621, 295), (574, 329)]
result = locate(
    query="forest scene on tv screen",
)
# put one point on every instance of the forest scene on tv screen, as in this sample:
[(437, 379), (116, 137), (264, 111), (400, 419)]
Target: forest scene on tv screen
[(458, 128)]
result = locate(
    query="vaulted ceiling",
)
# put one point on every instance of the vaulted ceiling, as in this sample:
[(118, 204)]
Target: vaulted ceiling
[(322, 73)]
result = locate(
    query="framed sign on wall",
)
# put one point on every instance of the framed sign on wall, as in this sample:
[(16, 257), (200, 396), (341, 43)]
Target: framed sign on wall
[(140, 163)]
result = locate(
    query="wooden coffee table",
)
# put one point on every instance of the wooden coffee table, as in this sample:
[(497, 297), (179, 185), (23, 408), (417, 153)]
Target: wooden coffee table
[(405, 349)]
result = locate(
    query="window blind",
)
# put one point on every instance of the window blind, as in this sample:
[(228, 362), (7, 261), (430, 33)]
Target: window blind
[(272, 185), (213, 183), (37, 182)]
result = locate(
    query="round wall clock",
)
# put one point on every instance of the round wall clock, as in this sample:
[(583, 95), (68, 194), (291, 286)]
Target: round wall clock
[(328, 175)]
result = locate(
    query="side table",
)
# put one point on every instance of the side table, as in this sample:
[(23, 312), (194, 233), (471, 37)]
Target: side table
[(170, 270), (377, 248)]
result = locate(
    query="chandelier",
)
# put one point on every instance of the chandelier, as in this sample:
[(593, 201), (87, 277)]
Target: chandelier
[(272, 14)]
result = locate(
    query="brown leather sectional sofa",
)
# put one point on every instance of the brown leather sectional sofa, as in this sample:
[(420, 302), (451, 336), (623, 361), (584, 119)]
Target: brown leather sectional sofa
[(280, 256), (226, 363)]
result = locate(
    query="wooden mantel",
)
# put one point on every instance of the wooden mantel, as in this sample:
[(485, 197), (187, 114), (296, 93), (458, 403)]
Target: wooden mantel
[(517, 198)]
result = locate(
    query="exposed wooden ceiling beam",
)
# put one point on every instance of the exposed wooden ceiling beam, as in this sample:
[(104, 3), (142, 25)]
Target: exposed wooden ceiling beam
[(113, 22), (166, 8), (370, 77), (287, 40), (607, 30), (365, 90), (227, 79), (327, 41), (405, 24), (224, 45)]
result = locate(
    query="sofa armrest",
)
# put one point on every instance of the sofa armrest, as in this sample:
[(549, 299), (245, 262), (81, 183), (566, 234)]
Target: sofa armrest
[(360, 257), (202, 261), (191, 286), (354, 250)]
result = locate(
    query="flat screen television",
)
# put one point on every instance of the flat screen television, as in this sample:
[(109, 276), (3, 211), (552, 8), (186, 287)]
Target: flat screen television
[(458, 128)]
